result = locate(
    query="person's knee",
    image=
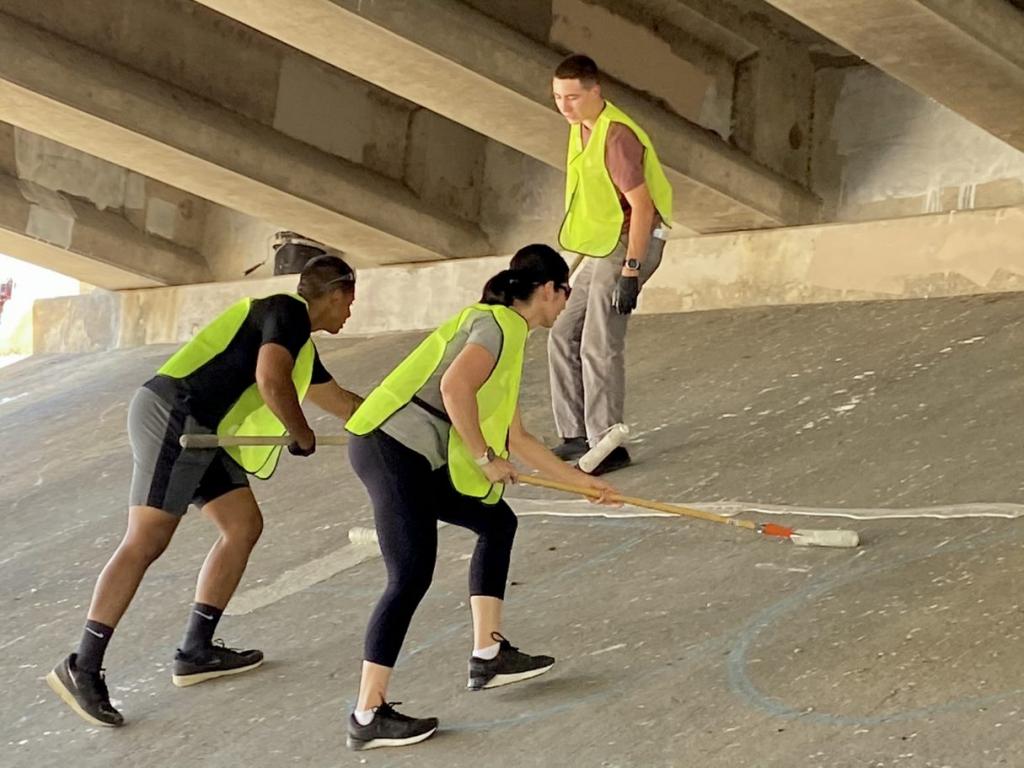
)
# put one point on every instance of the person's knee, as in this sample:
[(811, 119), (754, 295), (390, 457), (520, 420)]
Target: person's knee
[(244, 533), (237, 517), (141, 550), (602, 358), (410, 584), (503, 525)]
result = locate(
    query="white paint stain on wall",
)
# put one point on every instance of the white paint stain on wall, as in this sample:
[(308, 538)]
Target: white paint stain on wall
[(898, 143)]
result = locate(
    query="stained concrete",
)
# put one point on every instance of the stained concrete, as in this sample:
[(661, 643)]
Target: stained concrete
[(69, 94), (100, 248), (966, 54), (882, 148), (679, 643)]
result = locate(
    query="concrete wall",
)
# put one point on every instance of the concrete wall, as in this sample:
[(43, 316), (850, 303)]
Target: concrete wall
[(884, 150), (918, 257), (388, 299), (937, 255)]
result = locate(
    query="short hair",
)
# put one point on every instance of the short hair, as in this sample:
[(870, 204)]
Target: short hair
[(323, 274), (579, 67)]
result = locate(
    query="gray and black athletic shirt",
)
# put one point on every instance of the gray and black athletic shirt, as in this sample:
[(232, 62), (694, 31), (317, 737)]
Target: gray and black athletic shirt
[(417, 428), (209, 392)]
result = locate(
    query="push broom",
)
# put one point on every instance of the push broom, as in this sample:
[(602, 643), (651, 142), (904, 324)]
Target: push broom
[(804, 537)]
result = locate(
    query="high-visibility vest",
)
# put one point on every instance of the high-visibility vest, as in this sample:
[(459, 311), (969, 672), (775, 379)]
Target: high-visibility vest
[(249, 415), (593, 213), (496, 400)]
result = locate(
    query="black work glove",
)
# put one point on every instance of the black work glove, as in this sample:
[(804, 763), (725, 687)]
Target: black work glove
[(297, 450), (625, 295)]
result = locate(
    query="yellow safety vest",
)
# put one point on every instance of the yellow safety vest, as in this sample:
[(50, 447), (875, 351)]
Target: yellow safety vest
[(249, 415), (593, 214), (496, 400)]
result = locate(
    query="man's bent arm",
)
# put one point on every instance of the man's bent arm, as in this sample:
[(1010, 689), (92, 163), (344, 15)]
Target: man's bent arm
[(274, 380)]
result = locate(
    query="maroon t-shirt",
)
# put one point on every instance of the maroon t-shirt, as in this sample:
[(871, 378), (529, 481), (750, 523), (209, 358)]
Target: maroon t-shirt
[(624, 159)]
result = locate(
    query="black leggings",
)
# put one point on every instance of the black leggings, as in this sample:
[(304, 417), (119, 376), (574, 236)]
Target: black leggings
[(408, 499)]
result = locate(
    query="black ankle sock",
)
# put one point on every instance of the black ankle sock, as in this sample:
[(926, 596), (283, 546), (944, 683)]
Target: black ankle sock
[(95, 639), (202, 623)]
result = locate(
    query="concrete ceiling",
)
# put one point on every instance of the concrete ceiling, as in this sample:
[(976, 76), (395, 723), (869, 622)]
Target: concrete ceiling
[(468, 67), (70, 94), (966, 54)]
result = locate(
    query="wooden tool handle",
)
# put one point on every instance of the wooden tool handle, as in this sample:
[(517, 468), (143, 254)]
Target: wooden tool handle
[(672, 509), (227, 441)]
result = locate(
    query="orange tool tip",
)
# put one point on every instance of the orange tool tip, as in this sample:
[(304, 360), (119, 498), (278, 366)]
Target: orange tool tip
[(771, 529)]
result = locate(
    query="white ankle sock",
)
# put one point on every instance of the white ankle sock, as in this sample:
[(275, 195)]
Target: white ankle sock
[(363, 716), (487, 653)]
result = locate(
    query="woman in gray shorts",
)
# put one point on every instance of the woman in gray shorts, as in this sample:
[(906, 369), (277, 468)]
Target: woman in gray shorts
[(245, 372)]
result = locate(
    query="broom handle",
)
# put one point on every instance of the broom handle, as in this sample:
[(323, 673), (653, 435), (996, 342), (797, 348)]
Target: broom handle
[(672, 509), (224, 441), (230, 441)]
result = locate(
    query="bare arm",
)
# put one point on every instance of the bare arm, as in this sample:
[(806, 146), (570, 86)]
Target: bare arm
[(333, 399), (532, 451), (459, 385), (274, 380), (641, 222)]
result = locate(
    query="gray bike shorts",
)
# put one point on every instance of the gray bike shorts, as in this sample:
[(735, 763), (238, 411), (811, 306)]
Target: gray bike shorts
[(165, 476)]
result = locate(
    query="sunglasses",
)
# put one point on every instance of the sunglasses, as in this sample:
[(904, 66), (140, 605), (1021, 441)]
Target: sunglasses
[(349, 278), (565, 288)]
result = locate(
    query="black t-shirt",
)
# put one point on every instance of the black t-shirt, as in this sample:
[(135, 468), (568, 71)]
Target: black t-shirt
[(210, 391)]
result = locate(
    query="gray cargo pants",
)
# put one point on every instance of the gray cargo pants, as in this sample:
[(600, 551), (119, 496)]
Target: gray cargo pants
[(587, 347)]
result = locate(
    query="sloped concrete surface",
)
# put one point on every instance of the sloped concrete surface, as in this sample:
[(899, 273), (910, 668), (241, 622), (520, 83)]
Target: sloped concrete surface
[(678, 643)]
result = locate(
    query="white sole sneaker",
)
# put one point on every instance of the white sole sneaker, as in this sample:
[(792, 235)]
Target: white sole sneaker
[(499, 680), (359, 746), (68, 698), (183, 681)]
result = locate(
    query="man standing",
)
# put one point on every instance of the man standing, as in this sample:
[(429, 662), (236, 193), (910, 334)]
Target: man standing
[(617, 200), (245, 373)]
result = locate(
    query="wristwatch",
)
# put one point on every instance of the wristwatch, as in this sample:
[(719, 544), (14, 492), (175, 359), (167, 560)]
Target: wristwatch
[(487, 458), (633, 264)]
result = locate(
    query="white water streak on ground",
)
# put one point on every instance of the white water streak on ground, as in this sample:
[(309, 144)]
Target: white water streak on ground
[(365, 547), (575, 508)]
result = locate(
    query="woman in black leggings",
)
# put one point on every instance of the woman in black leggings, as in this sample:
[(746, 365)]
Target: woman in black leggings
[(431, 443)]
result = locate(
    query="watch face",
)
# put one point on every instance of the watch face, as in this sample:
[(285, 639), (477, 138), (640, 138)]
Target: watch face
[(632, 264), (491, 455)]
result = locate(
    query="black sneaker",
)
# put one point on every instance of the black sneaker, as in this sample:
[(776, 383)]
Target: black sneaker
[(571, 448), (85, 692), (389, 729), (617, 459), (509, 666), (216, 661)]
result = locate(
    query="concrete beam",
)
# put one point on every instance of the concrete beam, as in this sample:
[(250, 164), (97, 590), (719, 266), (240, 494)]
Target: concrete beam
[(966, 54), (475, 71), (72, 95), (77, 239)]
